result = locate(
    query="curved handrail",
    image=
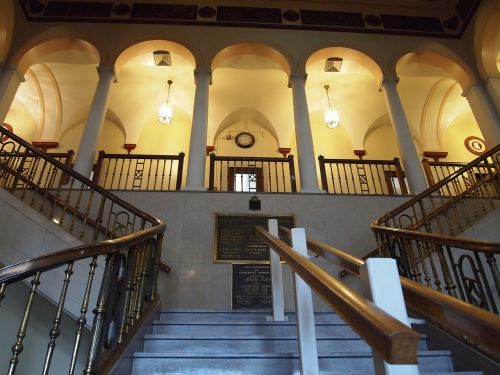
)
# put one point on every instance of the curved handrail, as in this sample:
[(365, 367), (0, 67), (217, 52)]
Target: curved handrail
[(478, 327), (47, 262), (391, 339), (378, 223)]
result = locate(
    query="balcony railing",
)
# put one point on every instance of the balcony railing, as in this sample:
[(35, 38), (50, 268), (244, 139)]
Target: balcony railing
[(139, 172), (362, 177), (252, 174)]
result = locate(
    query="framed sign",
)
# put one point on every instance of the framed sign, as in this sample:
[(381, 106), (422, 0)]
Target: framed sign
[(236, 240), (251, 288), (475, 145)]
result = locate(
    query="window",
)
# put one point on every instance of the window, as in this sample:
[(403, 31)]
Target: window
[(245, 179)]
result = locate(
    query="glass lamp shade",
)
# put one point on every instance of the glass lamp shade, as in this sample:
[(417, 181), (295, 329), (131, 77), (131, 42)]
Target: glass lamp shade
[(165, 114), (332, 118)]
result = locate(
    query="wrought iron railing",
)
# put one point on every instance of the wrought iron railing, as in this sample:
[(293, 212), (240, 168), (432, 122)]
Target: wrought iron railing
[(422, 234), (124, 242), (139, 172), (252, 174), (362, 177), (436, 171)]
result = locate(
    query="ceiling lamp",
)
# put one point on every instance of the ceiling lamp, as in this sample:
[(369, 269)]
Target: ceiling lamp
[(333, 64), (162, 58), (332, 118), (165, 113)]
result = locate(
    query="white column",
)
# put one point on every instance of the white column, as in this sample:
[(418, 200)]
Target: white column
[(88, 143), (485, 113), (305, 148), (198, 140), (492, 84), (407, 150), (10, 79)]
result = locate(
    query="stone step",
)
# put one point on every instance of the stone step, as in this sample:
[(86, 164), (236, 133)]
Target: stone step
[(251, 344), (242, 329), (228, 317), (359, 363)]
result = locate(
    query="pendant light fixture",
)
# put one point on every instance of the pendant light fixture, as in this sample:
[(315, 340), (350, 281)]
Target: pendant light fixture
[(165, 113), (332, 118)]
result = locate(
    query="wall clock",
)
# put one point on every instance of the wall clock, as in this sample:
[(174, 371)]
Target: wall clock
[(244, 140), (475, 145)]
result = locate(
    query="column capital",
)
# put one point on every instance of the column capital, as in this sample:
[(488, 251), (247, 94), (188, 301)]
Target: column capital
[(102, 71), (388, 81), (297, 78), (199, 73)]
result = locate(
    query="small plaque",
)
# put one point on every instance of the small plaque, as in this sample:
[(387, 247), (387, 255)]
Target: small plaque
[(251, 286), (236, 240)]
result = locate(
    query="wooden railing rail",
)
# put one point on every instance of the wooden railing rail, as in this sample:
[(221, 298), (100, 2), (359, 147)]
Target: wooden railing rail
[(130, 258), (362, 177), (473, 325), (388, 337), (252, 174), (139, 171)]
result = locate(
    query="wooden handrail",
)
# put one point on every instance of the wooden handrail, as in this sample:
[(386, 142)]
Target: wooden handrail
[(388, 337), (249, 158), (27, 268), (441, 239), (141, 156), (477, 327)]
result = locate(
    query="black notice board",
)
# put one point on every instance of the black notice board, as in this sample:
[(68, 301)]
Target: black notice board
[(236, 240), (251, 286)]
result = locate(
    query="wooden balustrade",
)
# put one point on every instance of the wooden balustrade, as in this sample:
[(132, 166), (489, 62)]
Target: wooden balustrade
[(436, 171), (362, 177), (252, 174), (139, 172), (388, 337), (475, 326)]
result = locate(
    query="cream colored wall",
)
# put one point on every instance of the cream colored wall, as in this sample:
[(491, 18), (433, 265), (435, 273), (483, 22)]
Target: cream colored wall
[(23, 124), (111, 139), (453, 139), (381, 143)]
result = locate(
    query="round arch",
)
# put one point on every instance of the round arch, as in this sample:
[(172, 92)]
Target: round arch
[(147, 47), (347, 54), (256, 49), (487, 40), (441, 58), (6, 27), (82, 51)]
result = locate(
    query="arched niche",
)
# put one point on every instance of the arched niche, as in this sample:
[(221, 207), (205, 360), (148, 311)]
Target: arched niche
[(255, 76), (379, 141), (487, 39), (60, 50), (436, 61), (6, 27), (142, 54), (229, 57), (353, 91)]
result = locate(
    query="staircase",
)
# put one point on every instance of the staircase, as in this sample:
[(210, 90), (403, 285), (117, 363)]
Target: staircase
[(212, 342)]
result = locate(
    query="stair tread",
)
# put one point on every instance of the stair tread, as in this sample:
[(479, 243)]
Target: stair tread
[(173, 336), (422, 353)]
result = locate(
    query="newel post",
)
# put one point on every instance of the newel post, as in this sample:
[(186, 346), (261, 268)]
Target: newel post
[(211, 172)]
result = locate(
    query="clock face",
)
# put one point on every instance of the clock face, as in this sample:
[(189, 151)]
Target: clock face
[(245, 140)]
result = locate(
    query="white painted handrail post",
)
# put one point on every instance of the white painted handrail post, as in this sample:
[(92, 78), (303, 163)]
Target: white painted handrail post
[(276, 276), (305, 312), (382, 285)]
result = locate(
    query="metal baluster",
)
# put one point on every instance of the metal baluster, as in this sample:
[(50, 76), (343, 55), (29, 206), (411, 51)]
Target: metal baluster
[(82, 320), (17, 348), (454, 267), (170, 175), (490, 259), (55, 331), (422, 255), (129, 285), (100, 316), (3, 286), (127, 181), (485, 282)]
